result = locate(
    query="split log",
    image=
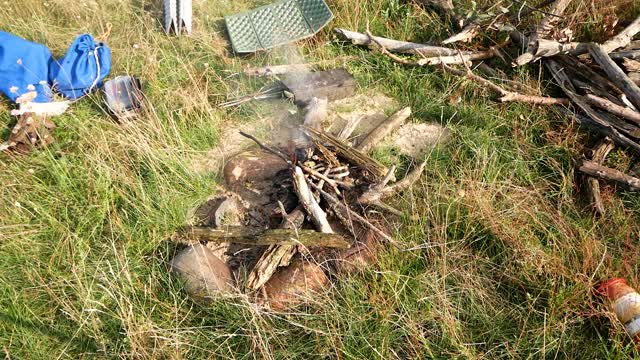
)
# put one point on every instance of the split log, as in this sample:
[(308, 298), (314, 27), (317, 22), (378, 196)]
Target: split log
[(243, 235), (598, 155), (617, 76), (397, 46), (311, 206), (608, 174), (277, 70), (621, 111), (385, 128), (349, 128), (542, 30), (374, 169), (275, 256)]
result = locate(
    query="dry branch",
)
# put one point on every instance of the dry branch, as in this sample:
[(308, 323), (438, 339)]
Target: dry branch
[(616, 75), (387, 126), (608, 174), (593, 119), (376, 193), (311, 206), (506, 96), (598, 154), (349, 128), (623, 38), (352, 214), (542, 30), (621, 111), (397, 46)]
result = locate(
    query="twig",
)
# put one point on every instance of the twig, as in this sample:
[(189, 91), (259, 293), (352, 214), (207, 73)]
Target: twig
[(356, 216), (264, 147)]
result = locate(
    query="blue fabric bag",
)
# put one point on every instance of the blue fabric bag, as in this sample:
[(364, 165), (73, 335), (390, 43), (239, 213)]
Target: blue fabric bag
[(82, 69), (24, 67)]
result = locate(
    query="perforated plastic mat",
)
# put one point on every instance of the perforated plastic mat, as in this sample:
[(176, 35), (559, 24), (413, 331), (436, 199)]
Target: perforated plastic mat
[(276, 24)]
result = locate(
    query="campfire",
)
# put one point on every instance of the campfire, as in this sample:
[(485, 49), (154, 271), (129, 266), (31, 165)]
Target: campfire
[(309, 210)]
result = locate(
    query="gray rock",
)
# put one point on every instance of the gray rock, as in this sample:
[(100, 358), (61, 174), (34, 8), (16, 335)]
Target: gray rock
[(205, 276)]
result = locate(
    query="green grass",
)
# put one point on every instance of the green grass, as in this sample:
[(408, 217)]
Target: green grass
[(507, 251)]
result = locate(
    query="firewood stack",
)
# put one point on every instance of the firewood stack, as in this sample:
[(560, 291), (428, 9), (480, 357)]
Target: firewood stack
[(338, 208), (601, 81)]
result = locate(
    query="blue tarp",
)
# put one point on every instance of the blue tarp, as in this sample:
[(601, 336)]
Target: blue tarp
[(27, 66)]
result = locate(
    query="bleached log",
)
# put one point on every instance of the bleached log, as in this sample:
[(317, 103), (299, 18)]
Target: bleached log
[(397, 46), (616, 75)]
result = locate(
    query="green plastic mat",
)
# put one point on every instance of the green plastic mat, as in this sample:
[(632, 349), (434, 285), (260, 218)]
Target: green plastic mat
[(276, 24)]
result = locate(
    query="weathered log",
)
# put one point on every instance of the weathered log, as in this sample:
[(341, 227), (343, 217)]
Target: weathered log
[(627, 54), (243, 235), (542, 30), (397, 46), (374, 169), (617, 76), (333, 84), (608, 174), (387, 126), (598, 154), (277, 70), (623, 112), (635, 77), (468, 33), (631, 65), (458, 58)]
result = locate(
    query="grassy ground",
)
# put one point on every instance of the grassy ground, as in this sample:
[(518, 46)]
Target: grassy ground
[(509, 251)]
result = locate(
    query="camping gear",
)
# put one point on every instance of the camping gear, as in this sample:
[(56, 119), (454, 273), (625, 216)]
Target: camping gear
[(24, 67), (177, 16), (82, 69), (276, 24), (124, 97), (625, 302)]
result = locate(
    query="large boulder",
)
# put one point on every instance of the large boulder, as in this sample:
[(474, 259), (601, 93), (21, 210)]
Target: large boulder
[(205, 276)]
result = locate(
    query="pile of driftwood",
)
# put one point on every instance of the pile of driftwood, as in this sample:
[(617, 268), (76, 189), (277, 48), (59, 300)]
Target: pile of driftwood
[(600, 80), (329, 204)]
